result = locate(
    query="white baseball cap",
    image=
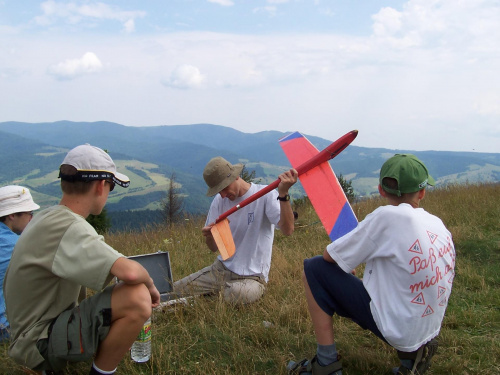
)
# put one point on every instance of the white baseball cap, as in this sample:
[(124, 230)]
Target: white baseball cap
[(92, 163), (14, 199)]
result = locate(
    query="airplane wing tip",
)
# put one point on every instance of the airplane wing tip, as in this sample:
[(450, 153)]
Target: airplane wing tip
[(291, 136)]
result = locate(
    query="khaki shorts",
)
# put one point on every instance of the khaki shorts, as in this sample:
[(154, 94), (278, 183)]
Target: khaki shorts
[(217, 278), (76, 333)]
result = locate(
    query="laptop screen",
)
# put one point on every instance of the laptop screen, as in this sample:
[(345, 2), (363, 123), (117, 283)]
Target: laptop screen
[(158, 266)]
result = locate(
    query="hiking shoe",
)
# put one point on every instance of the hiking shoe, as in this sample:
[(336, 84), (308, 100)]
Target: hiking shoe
[(422, 361), (312, 367)]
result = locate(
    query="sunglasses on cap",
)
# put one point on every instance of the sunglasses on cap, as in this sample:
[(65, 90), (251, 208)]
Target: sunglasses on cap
[(112, 183)]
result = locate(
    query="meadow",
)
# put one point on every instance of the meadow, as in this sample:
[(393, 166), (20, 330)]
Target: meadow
[(208, 336)]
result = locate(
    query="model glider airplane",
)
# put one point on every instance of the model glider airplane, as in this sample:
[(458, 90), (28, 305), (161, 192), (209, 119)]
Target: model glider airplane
[(321, 186), (319, 182)]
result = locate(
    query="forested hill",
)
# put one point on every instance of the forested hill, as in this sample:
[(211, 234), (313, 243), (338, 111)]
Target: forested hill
[(32, 152)]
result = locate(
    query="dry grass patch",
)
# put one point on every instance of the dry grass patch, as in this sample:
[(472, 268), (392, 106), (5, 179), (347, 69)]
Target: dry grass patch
[(211, 337)]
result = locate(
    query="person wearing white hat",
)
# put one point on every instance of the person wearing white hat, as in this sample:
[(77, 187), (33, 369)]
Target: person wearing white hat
[(16, 211), (57, 256)]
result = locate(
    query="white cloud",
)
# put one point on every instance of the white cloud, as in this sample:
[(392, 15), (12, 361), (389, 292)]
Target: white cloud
[(8, 30), (69, 69), (185, 77), (129, 26), (226, 3), (488, 104), (74, 13), (326, 11), (440, 23), (427, 65), (270, 10), (387, 22)]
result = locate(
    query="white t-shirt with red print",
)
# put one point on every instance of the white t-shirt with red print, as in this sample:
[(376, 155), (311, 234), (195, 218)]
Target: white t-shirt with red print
[(410, 260)]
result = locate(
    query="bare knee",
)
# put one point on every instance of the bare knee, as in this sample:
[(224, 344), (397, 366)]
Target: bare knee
[(140, 298), (132, 301), (243, 292)]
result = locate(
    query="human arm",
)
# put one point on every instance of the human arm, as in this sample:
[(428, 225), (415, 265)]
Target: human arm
[(286, 222), (131, 272), (328, 257)]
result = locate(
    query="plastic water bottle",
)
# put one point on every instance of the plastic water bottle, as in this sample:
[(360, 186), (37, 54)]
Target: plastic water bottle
[(141, 348)]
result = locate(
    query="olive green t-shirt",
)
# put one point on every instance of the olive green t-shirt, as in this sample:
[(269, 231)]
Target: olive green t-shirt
[(57, 254)]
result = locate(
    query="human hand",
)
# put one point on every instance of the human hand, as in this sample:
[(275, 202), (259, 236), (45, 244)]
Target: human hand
[(155, 296), (207, 230), (287, 179), (209, 238)]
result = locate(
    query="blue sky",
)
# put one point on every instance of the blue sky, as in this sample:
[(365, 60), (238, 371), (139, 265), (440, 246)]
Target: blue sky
[(417, 74)]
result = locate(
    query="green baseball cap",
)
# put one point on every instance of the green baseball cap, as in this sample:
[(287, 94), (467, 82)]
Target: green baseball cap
[(410, 173)]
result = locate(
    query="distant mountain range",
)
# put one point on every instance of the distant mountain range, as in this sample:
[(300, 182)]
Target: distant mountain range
[(32, 152)]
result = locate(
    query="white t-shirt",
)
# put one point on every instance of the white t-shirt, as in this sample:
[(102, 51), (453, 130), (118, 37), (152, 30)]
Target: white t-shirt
[(410, 259), (252, 228)]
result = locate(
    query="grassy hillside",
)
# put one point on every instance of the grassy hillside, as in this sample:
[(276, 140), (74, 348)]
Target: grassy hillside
[(210, 337)]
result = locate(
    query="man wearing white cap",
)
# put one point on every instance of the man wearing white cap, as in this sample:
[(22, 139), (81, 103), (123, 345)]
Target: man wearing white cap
[(57, 255), (16, 211)]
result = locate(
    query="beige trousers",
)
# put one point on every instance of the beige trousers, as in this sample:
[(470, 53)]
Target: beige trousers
[(217, 278)]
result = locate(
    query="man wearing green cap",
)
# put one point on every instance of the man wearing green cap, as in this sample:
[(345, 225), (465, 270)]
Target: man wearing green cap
[(402, 298)]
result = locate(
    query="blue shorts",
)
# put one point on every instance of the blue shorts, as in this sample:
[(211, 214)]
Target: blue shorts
[(339, 292)]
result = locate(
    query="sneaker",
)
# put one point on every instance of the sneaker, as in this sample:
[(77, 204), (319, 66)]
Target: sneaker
[(312, 367), (422, 361)]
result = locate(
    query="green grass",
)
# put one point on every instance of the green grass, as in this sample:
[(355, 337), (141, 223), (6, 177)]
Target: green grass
[(211, 337)]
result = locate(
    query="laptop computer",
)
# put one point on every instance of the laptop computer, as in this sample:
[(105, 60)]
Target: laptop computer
[(158, 266)]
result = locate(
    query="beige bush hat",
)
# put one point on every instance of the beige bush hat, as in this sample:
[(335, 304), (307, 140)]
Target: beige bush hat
[(14, 198), (219, 173)]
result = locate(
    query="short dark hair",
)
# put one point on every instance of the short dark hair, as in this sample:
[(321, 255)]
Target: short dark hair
[(73, 187), (390, 182)]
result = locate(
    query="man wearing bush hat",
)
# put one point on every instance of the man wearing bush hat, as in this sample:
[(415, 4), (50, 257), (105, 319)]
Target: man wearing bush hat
[(16, 211), (409, 260), (242, 277), (60, 253)]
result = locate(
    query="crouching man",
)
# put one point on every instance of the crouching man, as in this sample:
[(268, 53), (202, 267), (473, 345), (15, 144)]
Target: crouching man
[(56, 256), (402, 299)]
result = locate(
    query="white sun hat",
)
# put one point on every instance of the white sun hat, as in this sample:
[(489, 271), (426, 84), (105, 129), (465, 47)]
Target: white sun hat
[(14, 199)]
